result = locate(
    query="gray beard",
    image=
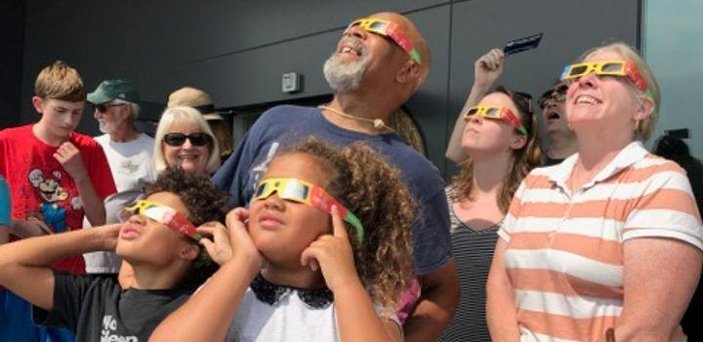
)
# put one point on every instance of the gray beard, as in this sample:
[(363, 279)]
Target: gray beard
[(344, 77), (106, 127)]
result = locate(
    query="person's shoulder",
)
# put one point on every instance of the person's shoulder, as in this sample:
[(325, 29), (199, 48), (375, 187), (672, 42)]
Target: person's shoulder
[(85, 143), (16, 133), (287, 112)]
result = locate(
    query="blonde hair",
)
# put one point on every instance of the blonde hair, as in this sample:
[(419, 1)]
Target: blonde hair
[(643, 130), (190, 115), (59, 81)]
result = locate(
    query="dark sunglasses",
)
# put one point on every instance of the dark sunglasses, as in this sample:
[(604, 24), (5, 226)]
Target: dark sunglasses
[(178, 139), (102, 108), (556, 94)]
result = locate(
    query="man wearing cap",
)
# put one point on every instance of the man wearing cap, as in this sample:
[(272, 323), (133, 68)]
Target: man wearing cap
[(200, 100), (129, 154), (378, 64)]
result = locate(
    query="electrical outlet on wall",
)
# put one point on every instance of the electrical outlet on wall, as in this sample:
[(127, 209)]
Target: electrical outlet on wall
[(290, 82)]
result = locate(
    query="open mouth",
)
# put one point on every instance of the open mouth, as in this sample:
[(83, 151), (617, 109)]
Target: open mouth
[(553, 116)]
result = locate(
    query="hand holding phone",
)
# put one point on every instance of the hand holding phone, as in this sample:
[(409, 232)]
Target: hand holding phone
[(522, 44)]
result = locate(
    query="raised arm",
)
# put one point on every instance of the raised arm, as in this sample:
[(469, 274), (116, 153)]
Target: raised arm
[(69, 157), (356, 314), (25, 264), (501, 312), (487, 69), (207, 315)]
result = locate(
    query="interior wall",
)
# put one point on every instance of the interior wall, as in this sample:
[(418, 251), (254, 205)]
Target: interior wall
[(11, 35), (238, 50)]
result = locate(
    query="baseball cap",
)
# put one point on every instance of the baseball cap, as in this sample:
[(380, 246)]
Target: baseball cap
[(109, 90)]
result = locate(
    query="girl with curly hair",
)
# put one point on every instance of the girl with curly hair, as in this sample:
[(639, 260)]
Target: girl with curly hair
[(322, 254), (157, 239), (501, 142)]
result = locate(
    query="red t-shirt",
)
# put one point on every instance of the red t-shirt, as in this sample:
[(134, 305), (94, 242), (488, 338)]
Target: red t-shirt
[(39, 184)]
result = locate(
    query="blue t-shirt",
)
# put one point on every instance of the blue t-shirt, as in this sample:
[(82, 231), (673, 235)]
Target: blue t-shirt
[(5, 203), (283, 126)]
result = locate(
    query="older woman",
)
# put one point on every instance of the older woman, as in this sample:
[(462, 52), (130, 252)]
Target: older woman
[(185, 140), (606, 245)]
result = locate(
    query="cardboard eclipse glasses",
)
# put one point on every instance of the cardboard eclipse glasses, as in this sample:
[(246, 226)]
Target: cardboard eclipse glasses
[(299, 191), (388, 29)]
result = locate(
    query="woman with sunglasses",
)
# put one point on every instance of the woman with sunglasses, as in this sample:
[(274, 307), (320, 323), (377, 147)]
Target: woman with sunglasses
[(322, 254), (157, 238), (184, 140), (605, 246), (501, 142)]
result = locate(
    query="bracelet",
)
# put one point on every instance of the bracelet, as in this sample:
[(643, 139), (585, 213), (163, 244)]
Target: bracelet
[(610, 335)]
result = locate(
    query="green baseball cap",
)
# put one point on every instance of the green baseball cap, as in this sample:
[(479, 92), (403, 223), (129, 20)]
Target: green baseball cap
[(109, 90)]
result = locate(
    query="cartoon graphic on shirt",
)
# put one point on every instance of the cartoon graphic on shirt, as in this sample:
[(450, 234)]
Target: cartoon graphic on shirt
[(53, 212)]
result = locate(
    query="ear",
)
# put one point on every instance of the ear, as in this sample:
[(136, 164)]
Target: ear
[(518, 141), (189, 252), (38, 104), (409, 72), (644, 109)]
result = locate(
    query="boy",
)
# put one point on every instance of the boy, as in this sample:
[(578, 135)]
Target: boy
[(157, 239), (51, 185)]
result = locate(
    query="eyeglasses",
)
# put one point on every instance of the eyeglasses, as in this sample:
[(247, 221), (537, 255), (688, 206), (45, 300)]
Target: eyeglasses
[(299, 191), (388, 29), (102, 108), (624, 68), (163, 214), (556, 94), (497, 113), (178, 139)]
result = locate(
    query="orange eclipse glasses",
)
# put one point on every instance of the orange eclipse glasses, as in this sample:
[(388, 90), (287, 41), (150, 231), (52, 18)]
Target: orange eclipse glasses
[(388, 29), (621, 68), (497, 113), (299, 191), (163, 214)]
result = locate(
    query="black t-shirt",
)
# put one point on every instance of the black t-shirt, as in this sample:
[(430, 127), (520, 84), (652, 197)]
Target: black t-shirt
[(97, 309)]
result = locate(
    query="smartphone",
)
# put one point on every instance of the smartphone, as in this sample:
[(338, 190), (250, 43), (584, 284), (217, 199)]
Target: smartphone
[(522, 44)]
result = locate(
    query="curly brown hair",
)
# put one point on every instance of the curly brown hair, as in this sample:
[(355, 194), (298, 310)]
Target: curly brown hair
[(205, 203), (362, 181), (524, 159)]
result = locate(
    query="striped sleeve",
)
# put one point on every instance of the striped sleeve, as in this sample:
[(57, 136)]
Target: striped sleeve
[(666, 207)]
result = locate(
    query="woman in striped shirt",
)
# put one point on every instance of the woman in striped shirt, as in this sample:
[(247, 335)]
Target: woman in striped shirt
[(500, 139), (606, 245)]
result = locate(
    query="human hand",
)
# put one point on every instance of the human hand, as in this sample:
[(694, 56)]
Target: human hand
[(218, 247), (70, 159), (240, 242), (488, 68), (110, 234), (333, 255)]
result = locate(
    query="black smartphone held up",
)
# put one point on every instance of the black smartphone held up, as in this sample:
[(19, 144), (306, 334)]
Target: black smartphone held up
[(522, 44)]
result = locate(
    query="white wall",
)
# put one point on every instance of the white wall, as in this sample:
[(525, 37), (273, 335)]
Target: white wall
[(673, 47)]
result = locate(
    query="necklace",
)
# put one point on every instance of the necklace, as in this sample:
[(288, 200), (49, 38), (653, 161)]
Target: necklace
[(377, 123)]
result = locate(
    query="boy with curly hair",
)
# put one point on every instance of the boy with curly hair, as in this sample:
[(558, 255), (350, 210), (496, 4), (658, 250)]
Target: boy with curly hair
[(157, 239)]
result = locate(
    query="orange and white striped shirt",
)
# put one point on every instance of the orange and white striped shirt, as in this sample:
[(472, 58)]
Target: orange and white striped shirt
[(565, 249)]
